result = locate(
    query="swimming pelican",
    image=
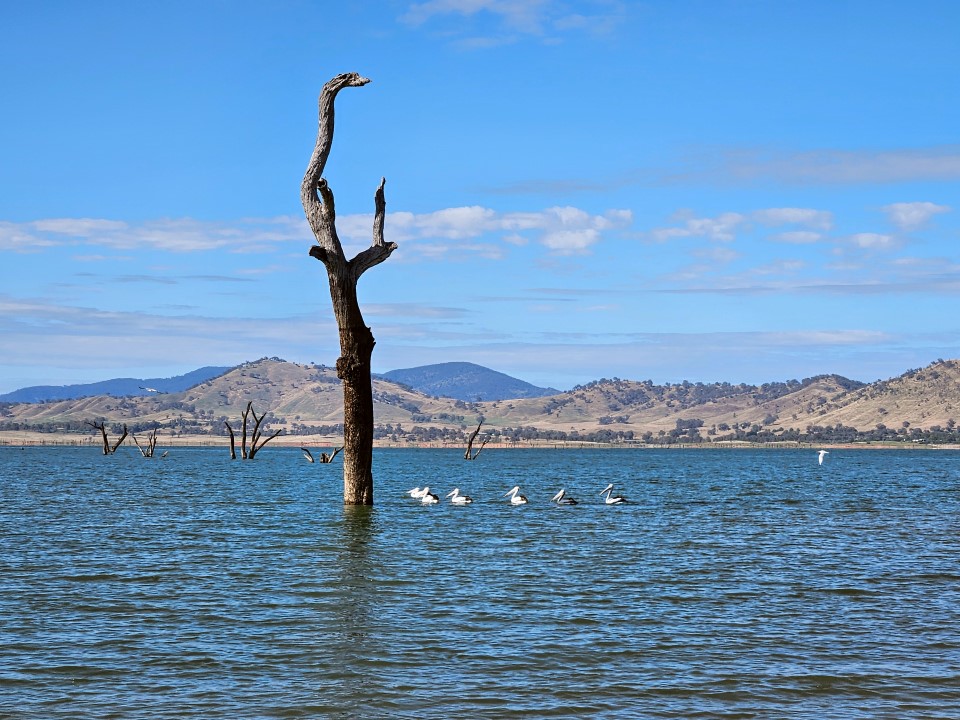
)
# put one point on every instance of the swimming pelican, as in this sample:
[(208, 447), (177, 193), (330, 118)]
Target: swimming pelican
[(612, 499), (307, 454), (457, 499), (418, 493), (429, 498), (820, 456), (515, 497), (561, 498)]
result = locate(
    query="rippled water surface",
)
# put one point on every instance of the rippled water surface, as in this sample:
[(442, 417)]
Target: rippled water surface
[(736, 584)]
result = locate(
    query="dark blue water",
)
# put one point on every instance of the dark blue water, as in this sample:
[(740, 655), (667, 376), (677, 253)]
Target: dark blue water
[(736, 584)]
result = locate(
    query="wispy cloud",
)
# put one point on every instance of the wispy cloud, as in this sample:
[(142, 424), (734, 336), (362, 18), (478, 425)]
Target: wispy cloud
[(724, 227), (477, 24), (834, 167), (912, 215), (561, 230), (872, 241), (180, 235)]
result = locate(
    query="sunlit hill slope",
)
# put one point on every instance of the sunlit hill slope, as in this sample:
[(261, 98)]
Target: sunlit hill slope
[(306, 399)]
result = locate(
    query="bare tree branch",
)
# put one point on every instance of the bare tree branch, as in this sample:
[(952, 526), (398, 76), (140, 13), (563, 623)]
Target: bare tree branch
[(469, 454)]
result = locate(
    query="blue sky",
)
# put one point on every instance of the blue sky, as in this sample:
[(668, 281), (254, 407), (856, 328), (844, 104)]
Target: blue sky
[(671, 190)]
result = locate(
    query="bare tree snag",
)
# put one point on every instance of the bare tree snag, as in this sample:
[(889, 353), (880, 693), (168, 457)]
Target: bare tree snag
[(469, 454), (324, 458), (102, 427), (233, 441), (356, 340), (147, 451), (257, 440)]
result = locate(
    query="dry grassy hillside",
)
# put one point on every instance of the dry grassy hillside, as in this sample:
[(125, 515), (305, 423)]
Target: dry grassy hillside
[(927, 398), (301, 398)]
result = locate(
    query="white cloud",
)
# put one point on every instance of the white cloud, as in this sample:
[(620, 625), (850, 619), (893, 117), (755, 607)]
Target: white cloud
[(180, 235), (797, 237), (872, 241), (20, 238), (522, 17), (911, 215), (724, 227), (721, 228), (815, 219), (562, 230)]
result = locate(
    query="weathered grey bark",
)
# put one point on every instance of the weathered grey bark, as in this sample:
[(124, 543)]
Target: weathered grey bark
[(469, 454), (356, 340), (102, 427)]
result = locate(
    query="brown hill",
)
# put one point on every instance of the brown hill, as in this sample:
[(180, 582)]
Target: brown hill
[(307, 399)]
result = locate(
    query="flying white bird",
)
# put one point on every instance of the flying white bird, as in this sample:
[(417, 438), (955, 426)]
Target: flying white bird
[(457, 499), (612, 499), (515, 497), (820, 456)]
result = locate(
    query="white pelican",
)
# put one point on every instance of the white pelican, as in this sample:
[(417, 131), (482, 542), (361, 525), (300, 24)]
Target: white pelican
[(561, 498), (515, 497), (457, 499), (307, 454), (428, 498), (612, 499), (820, 456), (417, 493)]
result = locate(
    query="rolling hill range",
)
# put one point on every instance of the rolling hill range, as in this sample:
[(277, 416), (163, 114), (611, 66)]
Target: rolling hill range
[(306, 400), (117, 387), (466, 381)]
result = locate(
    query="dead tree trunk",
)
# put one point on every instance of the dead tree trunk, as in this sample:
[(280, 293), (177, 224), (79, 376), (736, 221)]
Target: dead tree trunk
[(147, 451), (102, 427), (469, 454), (257, 440), (233, 441), (356, 340)]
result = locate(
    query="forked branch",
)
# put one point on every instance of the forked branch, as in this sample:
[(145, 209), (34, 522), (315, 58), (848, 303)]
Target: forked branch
[(469, 454), (317, 197)]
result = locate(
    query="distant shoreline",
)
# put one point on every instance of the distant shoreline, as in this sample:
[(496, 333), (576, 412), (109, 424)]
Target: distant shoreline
[(36, 439)]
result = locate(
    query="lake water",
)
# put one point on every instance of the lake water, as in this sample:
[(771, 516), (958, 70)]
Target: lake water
[(736, 584)]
